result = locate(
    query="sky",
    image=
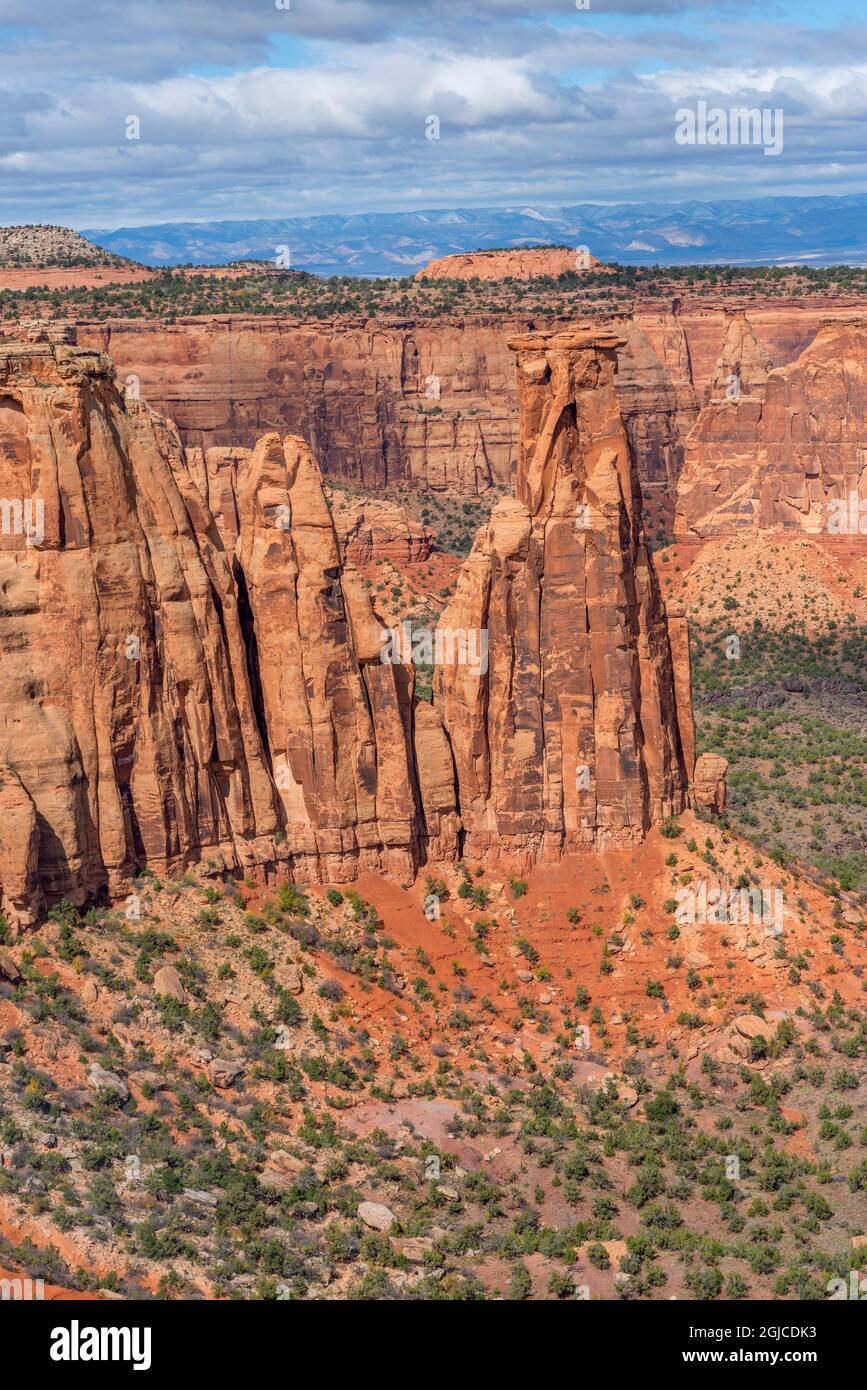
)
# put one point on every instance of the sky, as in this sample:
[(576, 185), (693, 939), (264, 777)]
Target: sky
[(284, 108)]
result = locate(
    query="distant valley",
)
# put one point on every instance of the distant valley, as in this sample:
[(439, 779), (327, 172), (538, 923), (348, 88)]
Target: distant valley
[(749, 231)]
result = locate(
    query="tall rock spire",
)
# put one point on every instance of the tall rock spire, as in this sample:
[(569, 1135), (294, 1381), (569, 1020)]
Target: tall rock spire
[(570, 740)]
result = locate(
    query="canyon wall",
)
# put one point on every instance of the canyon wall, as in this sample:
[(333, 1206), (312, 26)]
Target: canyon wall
[(782, 448), (430, 405), (190, 670)]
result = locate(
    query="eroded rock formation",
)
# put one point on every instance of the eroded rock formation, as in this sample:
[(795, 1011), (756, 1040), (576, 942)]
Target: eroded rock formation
[(429, 405), (572, 738), (710, 783), (191, 670), (338, 719), (172, 685), (782, 448), (125, 710), (370, 531)]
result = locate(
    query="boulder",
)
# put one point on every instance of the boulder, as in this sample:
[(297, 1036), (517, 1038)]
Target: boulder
[(376, 1216), (102, 1080), (751, 1026), (223, 1072), (167, 981), (9, 968)]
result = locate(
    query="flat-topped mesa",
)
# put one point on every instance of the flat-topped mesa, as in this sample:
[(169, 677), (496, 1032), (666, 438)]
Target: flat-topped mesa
[(571, 737), (516, 263), (789, 452)]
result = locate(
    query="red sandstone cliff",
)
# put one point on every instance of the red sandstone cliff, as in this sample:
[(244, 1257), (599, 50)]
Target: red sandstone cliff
[(657, 397), (779, 448), (125, 711), (189, 669), (429, 404), (174, 685)]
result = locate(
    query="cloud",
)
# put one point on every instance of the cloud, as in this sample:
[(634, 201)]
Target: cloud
[(251, 110)]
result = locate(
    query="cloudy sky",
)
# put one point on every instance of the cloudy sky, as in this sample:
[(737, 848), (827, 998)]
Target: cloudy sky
[(267, 108)]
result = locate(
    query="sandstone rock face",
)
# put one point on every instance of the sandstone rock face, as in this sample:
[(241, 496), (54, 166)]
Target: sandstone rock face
[(430, 404), (678, 637), (709, 783), (215, 473), (125, 708), (657, 398), (369, 532), (338, 717), (189, 669), (571, 739), (519, 264), (155, 687), (21, 897), (784, 449)]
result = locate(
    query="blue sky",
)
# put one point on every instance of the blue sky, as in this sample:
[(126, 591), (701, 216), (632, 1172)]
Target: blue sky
[(244, 109)]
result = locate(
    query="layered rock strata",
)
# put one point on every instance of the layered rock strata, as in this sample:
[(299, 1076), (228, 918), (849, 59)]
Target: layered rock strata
[(370, 531), (168, 693), (432, 405), (781, 449)]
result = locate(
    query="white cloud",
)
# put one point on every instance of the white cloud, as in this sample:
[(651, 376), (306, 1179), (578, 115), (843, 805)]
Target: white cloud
[(534, 102)]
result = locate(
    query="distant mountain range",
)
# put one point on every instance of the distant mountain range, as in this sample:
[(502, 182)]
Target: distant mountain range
[(749, 231)]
